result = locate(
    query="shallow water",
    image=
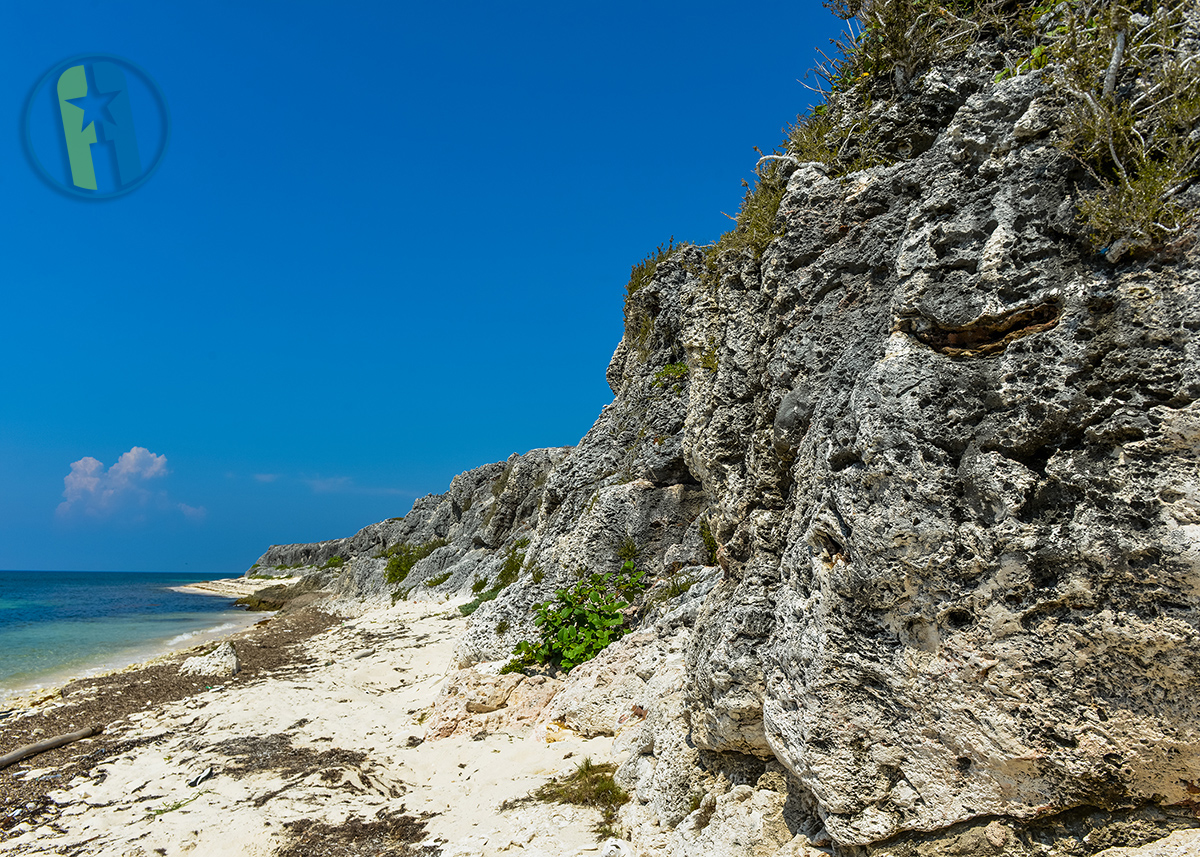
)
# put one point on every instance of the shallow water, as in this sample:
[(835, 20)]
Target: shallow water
[(59, 623)]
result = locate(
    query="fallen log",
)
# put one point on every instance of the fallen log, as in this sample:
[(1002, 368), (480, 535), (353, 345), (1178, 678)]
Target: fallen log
[(49, 744)]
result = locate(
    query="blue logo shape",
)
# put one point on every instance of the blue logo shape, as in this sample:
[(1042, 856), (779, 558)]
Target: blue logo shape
[(96, 126)]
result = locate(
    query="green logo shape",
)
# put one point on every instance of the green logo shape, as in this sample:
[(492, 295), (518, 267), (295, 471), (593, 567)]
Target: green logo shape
[(79, 126), (72, 83)]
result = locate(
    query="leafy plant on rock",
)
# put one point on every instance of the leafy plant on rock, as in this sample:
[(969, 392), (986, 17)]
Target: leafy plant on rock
[(581, 621)]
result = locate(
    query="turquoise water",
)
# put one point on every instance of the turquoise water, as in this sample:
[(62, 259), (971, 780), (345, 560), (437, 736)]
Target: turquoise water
[(59, 623)]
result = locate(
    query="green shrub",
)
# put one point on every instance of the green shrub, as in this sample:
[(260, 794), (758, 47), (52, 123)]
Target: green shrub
[(628, 550), (581, 621), (403, 556), (334, 561), (402, 594), (677, 584), (512, 563), (438, 580), (502, 479), (588, 785), (710, 543), (509, 572), (1135, 104), (667, 374), (473, 605), (639, 322), (756, 218), (643, 272), (1131, 85)]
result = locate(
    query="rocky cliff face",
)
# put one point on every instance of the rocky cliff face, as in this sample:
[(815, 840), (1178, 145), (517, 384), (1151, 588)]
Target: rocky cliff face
[(949, 460)]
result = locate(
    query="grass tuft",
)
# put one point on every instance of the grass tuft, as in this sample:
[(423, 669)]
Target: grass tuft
[(591, 785)]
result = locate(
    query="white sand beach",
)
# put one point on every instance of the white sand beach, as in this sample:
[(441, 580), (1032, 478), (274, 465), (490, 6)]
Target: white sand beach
[(257, 768)]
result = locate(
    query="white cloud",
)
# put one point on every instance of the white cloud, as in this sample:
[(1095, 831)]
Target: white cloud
[(347, 485), (266, 477), (192, 513), (332, 485), (124, 488)]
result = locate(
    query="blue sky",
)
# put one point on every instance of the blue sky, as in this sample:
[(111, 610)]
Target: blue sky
[(387, 243)]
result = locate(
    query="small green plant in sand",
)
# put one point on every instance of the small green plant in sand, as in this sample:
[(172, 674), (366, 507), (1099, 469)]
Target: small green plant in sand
[(591, 785), (174, 805)]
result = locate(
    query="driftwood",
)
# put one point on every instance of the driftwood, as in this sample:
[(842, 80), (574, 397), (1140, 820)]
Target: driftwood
[(49, 744)]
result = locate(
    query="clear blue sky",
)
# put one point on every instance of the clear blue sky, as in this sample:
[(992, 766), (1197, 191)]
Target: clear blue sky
[(388, 243)]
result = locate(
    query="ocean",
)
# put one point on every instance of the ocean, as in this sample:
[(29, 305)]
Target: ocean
[(58, 624)]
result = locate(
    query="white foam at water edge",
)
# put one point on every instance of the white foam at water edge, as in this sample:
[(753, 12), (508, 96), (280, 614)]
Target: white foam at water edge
[(191, 635)]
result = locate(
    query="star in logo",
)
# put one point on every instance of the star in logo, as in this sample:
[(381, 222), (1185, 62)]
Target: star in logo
[(94, 105)]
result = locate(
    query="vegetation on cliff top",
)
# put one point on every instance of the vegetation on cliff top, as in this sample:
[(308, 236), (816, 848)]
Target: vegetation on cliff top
[(1131, 83), (1132, 88)]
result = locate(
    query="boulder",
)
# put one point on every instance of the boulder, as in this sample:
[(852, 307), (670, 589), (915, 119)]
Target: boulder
[(221, 662)]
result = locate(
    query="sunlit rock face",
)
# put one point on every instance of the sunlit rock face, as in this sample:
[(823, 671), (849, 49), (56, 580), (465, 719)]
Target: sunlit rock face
[(954, 469), (950, 462)]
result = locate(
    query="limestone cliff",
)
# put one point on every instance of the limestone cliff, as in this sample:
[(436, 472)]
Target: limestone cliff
[(948, 455)]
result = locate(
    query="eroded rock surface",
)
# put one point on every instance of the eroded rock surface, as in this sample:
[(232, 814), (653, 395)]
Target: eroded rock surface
[(948, 460), (221, 661)]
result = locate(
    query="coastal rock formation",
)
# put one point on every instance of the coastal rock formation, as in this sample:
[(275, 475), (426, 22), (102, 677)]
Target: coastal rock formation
[(221, 661), (472, 703), (928, 467)]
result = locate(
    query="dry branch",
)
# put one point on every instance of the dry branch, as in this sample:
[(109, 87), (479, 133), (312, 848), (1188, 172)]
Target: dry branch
[(49, 744)]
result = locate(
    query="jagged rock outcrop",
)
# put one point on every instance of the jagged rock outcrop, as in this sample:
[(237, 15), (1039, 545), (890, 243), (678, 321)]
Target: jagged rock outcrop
[(948, 458), (478, 519)]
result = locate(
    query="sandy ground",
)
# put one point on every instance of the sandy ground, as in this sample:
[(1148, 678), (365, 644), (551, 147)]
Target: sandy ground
[(316, 748), (236, 587)]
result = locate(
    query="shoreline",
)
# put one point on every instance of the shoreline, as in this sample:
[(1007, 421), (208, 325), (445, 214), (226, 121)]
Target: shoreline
[(53, 681), (323, 730), (234, 587), (228, 623)]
